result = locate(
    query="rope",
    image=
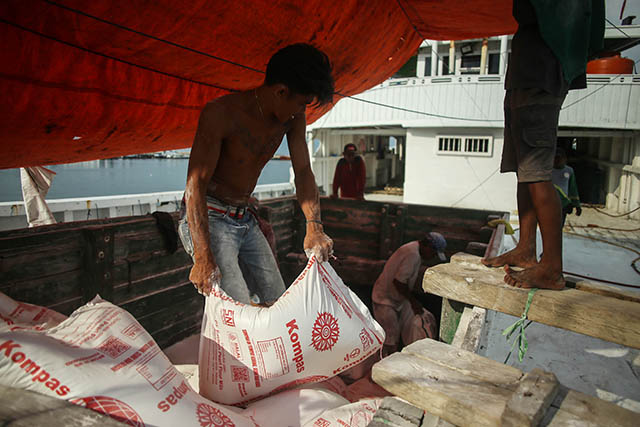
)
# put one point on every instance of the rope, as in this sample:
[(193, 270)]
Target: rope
[(601, 280), (140, 33), (519, 325), (608, 214), (604, 228), (175, 76)]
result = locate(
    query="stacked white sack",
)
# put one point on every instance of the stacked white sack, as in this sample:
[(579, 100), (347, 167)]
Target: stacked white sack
[(316, 330), (101, 358)]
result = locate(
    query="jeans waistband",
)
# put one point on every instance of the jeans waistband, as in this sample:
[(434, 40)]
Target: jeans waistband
[(216, 205)]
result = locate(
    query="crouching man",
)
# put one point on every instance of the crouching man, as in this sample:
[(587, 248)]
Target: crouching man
[(399, 313), (237, 135)]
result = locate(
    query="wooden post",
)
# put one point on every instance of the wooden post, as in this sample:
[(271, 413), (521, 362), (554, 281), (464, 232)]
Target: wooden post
[(450, 318), (385, 235), (98, 262)]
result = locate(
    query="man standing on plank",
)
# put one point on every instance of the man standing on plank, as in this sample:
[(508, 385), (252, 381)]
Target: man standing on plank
[(549, 55)]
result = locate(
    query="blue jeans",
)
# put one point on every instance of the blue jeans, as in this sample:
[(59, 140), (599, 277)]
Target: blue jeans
[(243, 255)]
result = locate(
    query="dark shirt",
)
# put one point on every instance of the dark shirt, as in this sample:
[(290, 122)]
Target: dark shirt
[(532, 64), (350, 178)]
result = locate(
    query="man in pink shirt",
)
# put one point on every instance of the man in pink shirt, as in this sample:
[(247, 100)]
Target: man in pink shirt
[(394, 306)]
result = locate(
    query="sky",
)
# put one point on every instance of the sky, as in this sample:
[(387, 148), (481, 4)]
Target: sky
[(613, 14)]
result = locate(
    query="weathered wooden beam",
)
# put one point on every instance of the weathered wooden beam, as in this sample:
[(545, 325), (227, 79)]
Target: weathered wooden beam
[(98, 262), (467, 280), (470, 329), (466, 389), (384, 241), (456, 385), (578, 409), (530, 402)]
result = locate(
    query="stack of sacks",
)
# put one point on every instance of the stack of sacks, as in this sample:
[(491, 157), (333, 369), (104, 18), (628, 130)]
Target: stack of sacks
[(100, 357)]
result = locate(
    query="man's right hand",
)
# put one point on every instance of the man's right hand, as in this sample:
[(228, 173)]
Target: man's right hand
[(205, 276)]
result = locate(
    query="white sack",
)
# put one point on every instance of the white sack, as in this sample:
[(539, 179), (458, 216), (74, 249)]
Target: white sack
[(358, 414), (36, 181), (101, 358), (317, 329)]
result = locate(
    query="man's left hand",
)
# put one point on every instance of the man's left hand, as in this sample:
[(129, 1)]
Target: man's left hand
[(319, 244)]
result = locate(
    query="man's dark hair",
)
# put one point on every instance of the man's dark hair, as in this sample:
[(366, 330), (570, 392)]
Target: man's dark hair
[(350, 146), (304, 69)]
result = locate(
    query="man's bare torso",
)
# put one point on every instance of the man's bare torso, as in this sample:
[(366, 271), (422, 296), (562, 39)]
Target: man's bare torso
[(248, 143)]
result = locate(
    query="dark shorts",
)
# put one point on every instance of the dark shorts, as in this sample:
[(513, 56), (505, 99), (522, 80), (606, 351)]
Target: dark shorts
[(530, 133)]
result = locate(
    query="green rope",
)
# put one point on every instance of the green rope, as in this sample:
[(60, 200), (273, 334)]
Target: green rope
[(519, 325)]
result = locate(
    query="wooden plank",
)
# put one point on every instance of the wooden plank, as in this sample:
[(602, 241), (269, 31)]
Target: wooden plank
[(470, 328), (530, 402), (179, 331), (465, 279), (150, 284), (160, 300), (458, 386), (46, 291), (465, 362), (578, 409), (132, 270), (43, 260), (464, 388)]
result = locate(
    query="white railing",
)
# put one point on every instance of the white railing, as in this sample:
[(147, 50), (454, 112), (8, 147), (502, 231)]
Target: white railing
[(609, 101), (12, 214)]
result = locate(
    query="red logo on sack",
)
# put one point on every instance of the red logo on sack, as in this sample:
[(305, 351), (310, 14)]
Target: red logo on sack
[(112, 407), (325, 332), (209, 416), (228, 317)]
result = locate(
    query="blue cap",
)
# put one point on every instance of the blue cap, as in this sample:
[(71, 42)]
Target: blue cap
[(438, 243)]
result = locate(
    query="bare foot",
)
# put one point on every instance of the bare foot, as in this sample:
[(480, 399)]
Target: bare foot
[(537, 276), (514, 257)]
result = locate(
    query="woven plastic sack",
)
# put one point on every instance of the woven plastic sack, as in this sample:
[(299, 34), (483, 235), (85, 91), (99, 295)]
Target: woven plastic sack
[(100, 357), (317, 329)]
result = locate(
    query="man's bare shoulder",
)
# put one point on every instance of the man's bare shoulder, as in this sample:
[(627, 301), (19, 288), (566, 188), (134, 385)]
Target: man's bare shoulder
[(224, 108)]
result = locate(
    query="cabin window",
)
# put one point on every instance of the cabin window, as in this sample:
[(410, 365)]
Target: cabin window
[(466, 145), (449, 144)]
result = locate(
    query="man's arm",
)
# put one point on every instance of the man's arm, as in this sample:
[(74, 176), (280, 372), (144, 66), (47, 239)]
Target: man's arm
[(403, 289), (203, 160), (315, 241)]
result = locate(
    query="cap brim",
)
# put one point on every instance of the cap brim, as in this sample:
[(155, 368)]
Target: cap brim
[(442, 256)]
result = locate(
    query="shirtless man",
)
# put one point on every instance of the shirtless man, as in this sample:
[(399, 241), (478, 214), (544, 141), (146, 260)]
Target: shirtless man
[(237, 135)]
